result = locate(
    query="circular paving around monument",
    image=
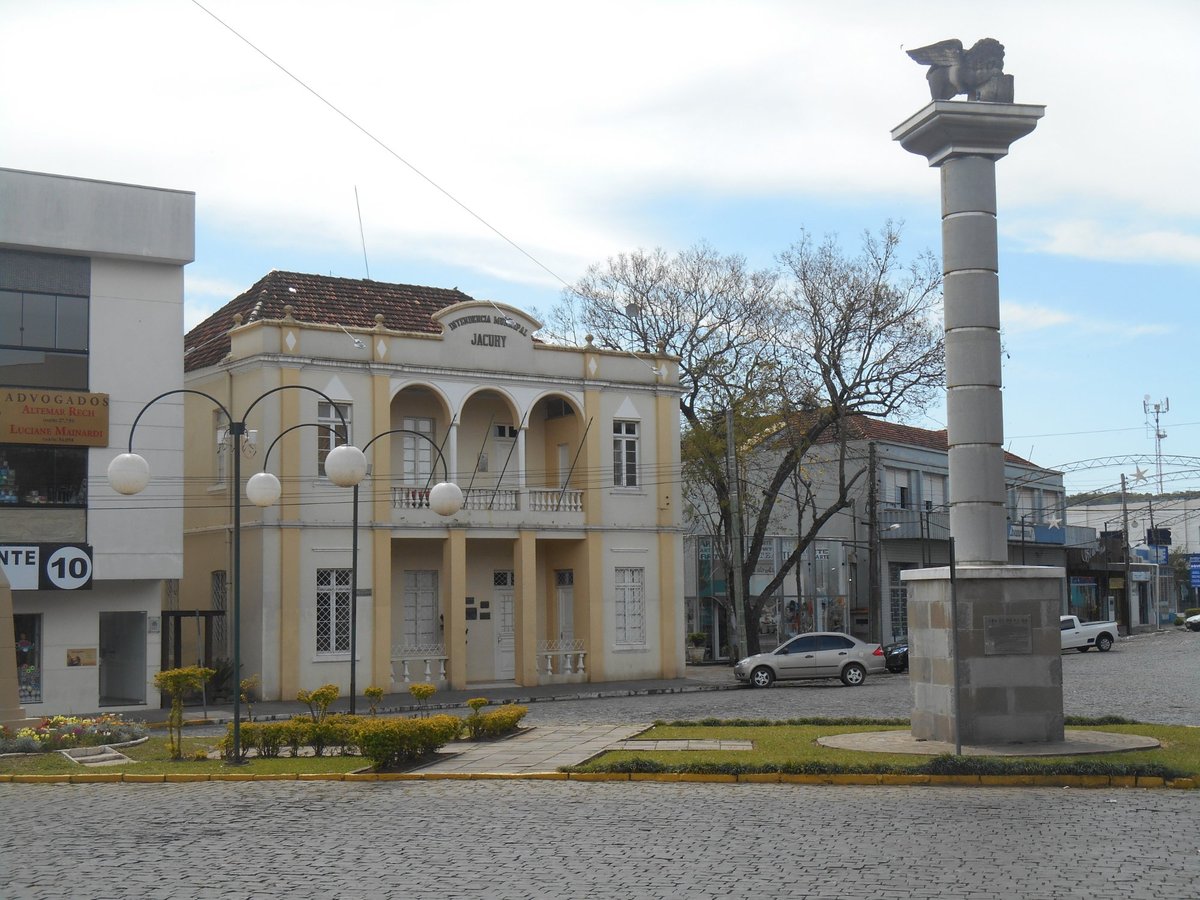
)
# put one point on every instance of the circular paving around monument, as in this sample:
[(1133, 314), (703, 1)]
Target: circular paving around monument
[(1076, 743)]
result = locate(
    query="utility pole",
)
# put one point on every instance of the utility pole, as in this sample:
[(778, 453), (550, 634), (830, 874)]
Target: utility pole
[(874, 561), (1126, 609), (736, 549)]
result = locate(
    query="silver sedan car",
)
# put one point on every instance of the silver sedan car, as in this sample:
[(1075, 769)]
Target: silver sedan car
[(819, 654)]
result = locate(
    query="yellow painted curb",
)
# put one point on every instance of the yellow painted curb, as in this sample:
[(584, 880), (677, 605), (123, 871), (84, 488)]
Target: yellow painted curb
[(6, 777), (1150, 781), (759, 777), (1184, 783), (95, 777), (360, 776), (41, 779), (545, 776), (445, 776), (954, 779), (707, 779), (399, 776), (654, 776), (185, 777), (1090, 781), (787, 778), (855, 778), (1124, 781), (320, 776), (904, 779), (132, 778), (599, 776), (231, 776), (1008, 780), (276, 776)]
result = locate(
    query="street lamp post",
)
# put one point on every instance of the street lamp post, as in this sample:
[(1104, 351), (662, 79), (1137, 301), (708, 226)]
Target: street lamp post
[(129, 473), (445, 499)]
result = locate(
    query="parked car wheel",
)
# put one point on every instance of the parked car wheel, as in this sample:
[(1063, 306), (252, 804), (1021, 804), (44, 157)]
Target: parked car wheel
[(1082, 649), (1104, 643), (853, 674), (762, 677)]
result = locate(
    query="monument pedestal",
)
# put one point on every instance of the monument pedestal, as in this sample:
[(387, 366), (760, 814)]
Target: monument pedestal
[(1002, 683)]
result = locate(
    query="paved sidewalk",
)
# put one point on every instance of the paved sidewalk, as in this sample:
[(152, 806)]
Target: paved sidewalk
[(697, 679), (540, 749)]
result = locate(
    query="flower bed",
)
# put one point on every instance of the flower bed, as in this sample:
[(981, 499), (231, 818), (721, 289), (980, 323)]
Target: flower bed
[(64, 732)]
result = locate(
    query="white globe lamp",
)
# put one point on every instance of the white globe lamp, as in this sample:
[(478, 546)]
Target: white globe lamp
[(445, 498), (129, 473), (263, 489), (346, 465)]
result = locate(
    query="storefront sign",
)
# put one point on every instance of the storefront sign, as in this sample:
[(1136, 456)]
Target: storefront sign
[(480, 338), (65, 418), (47, 567)]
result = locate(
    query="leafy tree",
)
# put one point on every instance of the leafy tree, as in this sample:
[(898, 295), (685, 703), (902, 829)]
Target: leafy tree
[(175, 683), (796, 351)]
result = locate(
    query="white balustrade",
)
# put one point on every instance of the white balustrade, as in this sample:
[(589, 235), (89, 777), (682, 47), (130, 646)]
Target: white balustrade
[(561, 659), (555, 500), (490, 499), (419, 664)]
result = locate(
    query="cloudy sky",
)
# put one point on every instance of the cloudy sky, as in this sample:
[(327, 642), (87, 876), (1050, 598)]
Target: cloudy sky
[(501, 147)]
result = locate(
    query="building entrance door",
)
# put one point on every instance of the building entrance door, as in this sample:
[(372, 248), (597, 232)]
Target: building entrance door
[(564, 581), (506, 635), (122, 658)]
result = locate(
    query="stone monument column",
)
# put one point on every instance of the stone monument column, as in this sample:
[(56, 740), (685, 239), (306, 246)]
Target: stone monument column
[(984, 655)]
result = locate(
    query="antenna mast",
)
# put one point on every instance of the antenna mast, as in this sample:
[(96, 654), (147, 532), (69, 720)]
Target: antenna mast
[(1157, 410)]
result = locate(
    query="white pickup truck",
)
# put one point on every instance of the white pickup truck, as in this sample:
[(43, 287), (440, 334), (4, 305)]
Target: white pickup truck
[(1079, 636)]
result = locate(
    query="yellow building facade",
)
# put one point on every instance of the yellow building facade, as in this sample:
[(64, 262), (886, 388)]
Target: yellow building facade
[(564, 564)]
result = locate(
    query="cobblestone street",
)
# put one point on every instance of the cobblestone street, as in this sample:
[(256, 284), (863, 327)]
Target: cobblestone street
[(601, 840), (531, 839)]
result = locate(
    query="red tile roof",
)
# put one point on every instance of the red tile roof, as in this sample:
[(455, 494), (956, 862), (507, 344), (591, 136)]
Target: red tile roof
[(322, 300), (864, 428)]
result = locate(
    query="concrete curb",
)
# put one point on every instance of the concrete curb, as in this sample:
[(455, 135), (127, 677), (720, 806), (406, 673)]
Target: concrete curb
[(859, 779)]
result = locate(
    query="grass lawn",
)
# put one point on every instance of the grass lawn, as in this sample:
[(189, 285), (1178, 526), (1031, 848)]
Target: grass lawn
[(787, 747), (153, 758)]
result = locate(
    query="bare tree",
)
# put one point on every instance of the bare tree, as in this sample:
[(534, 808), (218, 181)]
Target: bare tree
[(796, 352)]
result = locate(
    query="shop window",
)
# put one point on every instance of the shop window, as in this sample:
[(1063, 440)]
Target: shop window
[(27, 635), (43, 340), (37, 475)]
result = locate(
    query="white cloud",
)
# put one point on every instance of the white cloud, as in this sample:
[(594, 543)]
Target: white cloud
[(1021, 318)]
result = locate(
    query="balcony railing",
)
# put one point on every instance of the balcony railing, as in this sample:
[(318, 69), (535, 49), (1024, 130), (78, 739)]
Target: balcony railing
[(503, 500), (561, 661), (419, 664)]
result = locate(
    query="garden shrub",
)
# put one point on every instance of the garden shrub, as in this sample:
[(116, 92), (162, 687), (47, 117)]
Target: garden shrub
[(497, 723), (175, 683), (391, 743), (421, 692), (319, 700), (374, 696)]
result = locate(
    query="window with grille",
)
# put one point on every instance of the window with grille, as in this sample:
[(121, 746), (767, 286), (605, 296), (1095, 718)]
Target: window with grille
[(625, 453), (898, 598), (331, 433), (630, 607), (333, 610)]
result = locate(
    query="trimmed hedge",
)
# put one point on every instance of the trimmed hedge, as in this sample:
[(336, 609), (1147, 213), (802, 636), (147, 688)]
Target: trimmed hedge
[(392, 743), (498, 722)]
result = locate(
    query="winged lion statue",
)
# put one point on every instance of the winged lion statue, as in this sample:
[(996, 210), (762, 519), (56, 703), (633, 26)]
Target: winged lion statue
[(978, 72)]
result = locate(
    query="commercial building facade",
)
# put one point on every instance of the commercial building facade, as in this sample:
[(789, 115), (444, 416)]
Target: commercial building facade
[(91, 309), (563, 564), (848, 579)]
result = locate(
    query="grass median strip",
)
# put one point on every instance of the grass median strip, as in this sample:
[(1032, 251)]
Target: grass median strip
[(791, 749)]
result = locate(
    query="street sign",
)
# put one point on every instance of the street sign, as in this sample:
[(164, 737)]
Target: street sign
[(47, 567), (1194, 565)]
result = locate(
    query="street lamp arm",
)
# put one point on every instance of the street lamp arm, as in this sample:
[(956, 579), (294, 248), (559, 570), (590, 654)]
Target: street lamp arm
[(436, 447), (302, 387), (149, 403), (333, 431)]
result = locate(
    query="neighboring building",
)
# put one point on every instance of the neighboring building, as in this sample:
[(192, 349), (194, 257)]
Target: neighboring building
[(849, 578), (563, 564), (91, 310), (1158, 525)]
